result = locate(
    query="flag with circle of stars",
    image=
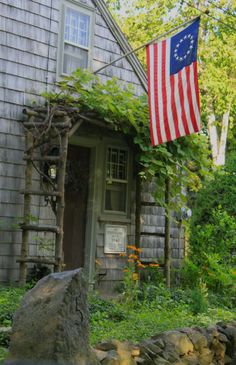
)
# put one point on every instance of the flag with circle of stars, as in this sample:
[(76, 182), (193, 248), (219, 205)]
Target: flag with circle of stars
[(173, 85)]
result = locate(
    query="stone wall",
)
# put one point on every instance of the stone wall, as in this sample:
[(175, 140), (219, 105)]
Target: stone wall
[(215, 345)]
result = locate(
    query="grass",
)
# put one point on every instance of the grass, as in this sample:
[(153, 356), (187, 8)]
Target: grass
[(148, 320), (156, 311)]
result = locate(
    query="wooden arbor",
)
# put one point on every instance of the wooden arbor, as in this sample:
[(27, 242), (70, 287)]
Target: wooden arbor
[(46, 130)]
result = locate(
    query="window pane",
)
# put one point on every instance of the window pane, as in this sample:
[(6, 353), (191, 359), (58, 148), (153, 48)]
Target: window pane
[(117, 164), (74, 58), (116, 180), (116, 197), (77, 27)]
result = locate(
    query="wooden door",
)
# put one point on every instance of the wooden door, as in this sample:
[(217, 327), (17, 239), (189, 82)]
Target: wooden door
[(76, 197)]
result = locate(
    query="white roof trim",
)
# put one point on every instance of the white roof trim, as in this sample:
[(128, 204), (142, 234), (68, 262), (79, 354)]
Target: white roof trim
[(123, 42)]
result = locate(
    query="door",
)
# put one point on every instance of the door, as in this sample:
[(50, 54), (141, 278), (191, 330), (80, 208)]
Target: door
[(76, 197)]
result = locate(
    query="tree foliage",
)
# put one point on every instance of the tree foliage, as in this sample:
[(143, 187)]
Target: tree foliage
[(143, 21), (212, 240)]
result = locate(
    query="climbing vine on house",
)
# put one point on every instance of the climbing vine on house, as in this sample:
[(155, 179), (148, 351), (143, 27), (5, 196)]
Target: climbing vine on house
[(176, 166), (184, 161)]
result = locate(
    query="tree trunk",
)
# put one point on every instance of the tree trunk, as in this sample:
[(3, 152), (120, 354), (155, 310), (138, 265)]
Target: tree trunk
[(218, 144), (223, 139), (213, 135)]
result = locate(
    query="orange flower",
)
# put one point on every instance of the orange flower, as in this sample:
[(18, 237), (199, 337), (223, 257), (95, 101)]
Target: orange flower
[(141, 266), (131, 247), (134, 248), (133, 256), (154, 265), (122, 254)]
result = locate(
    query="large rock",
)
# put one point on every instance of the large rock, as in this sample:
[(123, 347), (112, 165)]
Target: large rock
[(51, 325)]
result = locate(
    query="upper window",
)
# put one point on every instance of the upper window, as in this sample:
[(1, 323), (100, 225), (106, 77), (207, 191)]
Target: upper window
[(116, 180), (77, 31)]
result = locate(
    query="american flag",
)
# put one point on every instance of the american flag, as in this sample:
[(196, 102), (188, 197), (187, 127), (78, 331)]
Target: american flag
[(173, 92)]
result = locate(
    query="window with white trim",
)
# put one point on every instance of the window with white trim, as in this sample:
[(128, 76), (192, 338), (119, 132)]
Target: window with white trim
[(116, 188), (76, 38)]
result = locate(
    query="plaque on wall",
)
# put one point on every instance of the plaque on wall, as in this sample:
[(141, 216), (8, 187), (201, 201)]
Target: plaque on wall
[(115, 238)]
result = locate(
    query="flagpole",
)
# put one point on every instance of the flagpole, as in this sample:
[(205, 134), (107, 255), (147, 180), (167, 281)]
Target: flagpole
[(145, 44)]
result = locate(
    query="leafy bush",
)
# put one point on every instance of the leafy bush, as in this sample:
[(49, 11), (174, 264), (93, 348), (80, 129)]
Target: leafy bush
[(219, 191), (9, 301), (216, 237), (218, 276), (100, 308), (212, 240), (199, 299), (3, 354)]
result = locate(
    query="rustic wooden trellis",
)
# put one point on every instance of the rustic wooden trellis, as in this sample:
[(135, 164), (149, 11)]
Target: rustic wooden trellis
[(46, 128)]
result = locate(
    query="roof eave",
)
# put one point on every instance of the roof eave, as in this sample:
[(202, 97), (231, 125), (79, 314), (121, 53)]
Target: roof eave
[(123, 42)]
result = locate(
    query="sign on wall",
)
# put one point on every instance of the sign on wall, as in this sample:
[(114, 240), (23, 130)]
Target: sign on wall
[(115, 238)]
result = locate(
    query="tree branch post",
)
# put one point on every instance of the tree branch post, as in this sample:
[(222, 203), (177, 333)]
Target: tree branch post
[(138, 213), (167, 263)]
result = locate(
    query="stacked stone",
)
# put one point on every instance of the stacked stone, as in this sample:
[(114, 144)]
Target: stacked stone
[(189, 346)]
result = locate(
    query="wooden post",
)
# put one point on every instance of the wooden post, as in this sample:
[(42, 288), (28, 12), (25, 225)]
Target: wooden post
[(167, 232), (27, 211), (61, 203), (138, 213)]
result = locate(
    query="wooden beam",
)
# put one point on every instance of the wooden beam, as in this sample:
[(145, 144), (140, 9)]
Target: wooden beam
[(75, 128), (26, 213), (138, 214), (61, 203), (41, 228), (37, 260), (59, 125), (42, 110), (167, 257), (40, 193), (42, 158)]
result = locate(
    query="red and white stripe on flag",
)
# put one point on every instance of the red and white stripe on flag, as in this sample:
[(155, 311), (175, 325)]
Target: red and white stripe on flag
[(174, 104)]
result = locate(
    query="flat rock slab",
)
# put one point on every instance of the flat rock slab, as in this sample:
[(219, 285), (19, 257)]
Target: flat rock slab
[(51, 326)]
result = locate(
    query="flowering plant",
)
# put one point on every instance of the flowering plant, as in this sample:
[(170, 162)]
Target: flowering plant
[(132, 274)]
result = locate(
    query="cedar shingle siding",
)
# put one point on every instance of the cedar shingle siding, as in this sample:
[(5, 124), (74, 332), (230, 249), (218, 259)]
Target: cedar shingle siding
[(30, 33)]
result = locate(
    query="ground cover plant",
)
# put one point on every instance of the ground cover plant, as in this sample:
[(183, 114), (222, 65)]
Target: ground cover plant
[(154, 309), (10, 298)]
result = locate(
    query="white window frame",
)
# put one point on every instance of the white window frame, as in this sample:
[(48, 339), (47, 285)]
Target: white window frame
[(78, 6)]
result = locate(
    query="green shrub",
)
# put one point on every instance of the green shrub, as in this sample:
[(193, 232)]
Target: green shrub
[(199, 299), (189, 273), (216, 237), (10, 298), (3, 354), (100, 308)]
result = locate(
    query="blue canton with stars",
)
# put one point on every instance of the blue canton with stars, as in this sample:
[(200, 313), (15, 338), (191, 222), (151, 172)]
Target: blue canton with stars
[(183, 49)]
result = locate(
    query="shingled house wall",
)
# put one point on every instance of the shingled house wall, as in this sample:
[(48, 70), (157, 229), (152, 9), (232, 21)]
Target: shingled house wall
[(28, 66)]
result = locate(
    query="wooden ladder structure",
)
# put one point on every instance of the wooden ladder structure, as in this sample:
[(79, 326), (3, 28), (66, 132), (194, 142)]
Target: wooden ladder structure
[(44, 128)]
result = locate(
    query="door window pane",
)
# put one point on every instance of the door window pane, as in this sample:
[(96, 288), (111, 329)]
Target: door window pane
[(116, 197), (116, 180)]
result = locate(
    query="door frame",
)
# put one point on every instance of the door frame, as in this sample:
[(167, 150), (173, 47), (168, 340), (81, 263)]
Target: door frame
[(92, 204)]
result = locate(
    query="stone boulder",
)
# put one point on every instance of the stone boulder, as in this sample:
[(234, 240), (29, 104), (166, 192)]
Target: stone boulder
[(51, 325)]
